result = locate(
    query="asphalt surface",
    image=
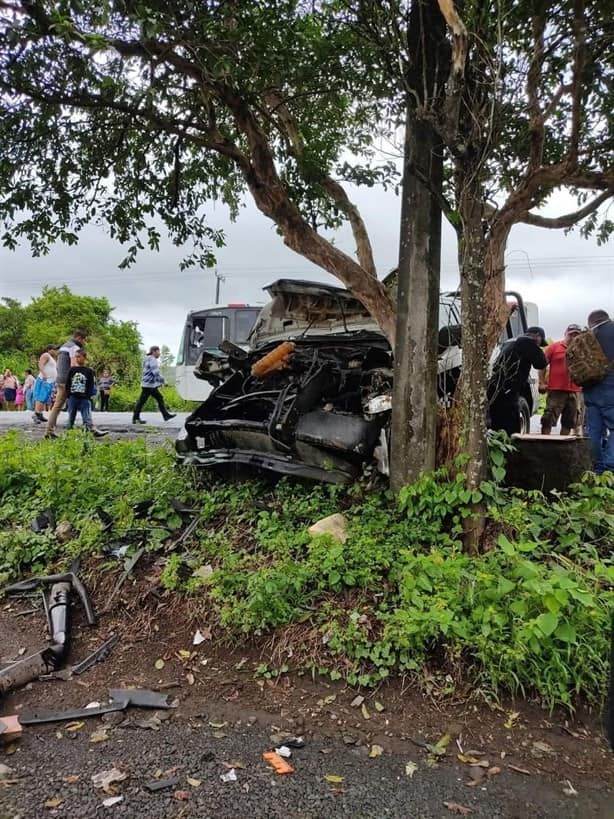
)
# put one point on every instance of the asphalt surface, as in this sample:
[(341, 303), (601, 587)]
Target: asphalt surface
[(51, 763), (118, 424)]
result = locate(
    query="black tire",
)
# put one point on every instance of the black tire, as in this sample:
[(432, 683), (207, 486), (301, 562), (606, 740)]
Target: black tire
[(525, 415)]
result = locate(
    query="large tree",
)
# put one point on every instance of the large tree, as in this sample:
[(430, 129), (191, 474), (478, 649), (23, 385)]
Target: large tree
[(130, 113)]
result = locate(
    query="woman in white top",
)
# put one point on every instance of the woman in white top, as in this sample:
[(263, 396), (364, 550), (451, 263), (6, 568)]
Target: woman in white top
[(43, 387)]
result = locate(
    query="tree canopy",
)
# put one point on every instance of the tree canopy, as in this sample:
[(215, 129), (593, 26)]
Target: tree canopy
[(52, 317), (128, 113)]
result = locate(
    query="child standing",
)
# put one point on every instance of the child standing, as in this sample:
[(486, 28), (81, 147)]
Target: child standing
[(104, 385), (80, 387)]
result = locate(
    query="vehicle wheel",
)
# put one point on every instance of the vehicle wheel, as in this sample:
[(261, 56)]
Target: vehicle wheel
[(525, 415)]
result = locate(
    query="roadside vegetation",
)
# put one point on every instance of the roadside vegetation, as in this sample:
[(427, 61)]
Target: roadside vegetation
[(530, 615)]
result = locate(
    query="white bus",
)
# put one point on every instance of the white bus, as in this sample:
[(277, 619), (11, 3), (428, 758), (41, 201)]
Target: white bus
[(205, 330)]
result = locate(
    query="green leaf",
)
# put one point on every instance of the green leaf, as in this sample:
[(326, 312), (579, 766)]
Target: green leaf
[(506, 547), (547, 623), (566, 633)]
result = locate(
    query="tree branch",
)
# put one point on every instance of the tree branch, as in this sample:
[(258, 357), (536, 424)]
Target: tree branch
[(364, 250), (577, 81), (536, 118), (569, 219)]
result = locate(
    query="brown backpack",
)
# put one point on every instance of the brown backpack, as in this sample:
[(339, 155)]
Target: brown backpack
[(586, 362)]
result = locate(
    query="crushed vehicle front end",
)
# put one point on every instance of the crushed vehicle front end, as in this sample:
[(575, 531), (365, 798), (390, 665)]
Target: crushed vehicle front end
[(311, 398)]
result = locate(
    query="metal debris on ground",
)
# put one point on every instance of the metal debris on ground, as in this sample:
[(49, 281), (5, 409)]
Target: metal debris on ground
[(130, 564), (120, 699), (161, 784), (57, 608), (97, 656)]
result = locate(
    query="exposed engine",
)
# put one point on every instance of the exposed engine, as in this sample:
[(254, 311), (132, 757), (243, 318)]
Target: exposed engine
[(314, 400)]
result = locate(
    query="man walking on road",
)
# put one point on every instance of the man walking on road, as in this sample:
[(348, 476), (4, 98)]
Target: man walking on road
[(563, 396), (151, 381), (64, 362), (599, 398)]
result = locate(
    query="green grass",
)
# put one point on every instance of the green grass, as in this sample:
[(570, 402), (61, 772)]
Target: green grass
[(530, 615)]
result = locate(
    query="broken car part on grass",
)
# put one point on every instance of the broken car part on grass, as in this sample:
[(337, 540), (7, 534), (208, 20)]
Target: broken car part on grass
[(312, 397), (62, 588)]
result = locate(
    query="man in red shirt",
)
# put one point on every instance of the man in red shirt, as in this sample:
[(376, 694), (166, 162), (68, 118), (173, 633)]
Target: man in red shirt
[(564, 398)]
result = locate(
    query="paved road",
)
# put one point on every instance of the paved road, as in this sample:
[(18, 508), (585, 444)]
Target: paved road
[(52, 763), (119, 424)]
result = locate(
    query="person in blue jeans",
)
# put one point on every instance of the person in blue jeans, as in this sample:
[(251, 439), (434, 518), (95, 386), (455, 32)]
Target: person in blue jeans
[(80, 388), (599, 399)]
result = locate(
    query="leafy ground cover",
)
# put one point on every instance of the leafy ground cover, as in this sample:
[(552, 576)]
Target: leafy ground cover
[(531, 614)]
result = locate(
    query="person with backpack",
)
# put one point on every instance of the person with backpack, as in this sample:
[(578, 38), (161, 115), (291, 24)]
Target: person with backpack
[(561, 393), (599, 390)]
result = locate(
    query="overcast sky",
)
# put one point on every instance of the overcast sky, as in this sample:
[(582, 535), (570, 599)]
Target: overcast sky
[(567, 276)]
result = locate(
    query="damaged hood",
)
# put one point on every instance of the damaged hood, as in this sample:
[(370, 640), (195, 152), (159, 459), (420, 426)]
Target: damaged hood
[(309, 308)]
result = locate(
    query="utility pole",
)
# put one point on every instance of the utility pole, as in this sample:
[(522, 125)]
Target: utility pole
[(414, 404), (218, 278)]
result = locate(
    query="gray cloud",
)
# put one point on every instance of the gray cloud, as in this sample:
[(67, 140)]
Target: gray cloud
[(566, 276)]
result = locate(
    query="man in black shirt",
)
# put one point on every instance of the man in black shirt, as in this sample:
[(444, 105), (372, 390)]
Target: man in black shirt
[(509, 376), (80, 388)]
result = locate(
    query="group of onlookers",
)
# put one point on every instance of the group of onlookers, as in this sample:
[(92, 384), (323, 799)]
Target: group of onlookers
[(14, 394), (588, 408)]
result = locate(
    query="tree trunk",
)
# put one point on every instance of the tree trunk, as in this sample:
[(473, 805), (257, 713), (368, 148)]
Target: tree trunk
[(497, 311), (474, 380), (414, 406)]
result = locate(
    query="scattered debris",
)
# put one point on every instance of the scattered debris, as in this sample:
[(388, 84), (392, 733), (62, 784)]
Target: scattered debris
[(106, 779), (569, 790), (182, 795), (294, 742), (112, 800), (229, 776), (376, 750), (284, 751), (5, 772), (130, 564), (57, 608), (334, 525), (438, 749), (46, 520), (198, 638), (120, 699), (161, 784), (365, 711), (74, 726), (10, 728), (357, 701), (456, 808), (159, 664), (378, 706), (71, 779), (193, 783), (278, 763), (65, 532), (97, 656), (333, 779)]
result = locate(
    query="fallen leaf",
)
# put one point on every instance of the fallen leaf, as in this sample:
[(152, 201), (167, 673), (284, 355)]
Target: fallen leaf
[(181, 796), (234, 764), (74, 726), (519, 770), (190, 678), (410, 769), (469, 760), (159, 664), (218, 724), (203, 572), (327, 700), (376, 750), (10, 749), (365, 711), (193, 783), (357, 701), (184, 654), (218, 735), (71, 779), (493, 771), (332, 778), (54, 802), (539, 748), (378, 706), (456, 808), (511, 719), (99, 736)]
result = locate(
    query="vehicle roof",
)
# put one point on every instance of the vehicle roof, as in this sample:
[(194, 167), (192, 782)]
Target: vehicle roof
[(219, 307)]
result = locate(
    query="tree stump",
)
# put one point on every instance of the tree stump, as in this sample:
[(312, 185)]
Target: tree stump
[(548, 462)]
